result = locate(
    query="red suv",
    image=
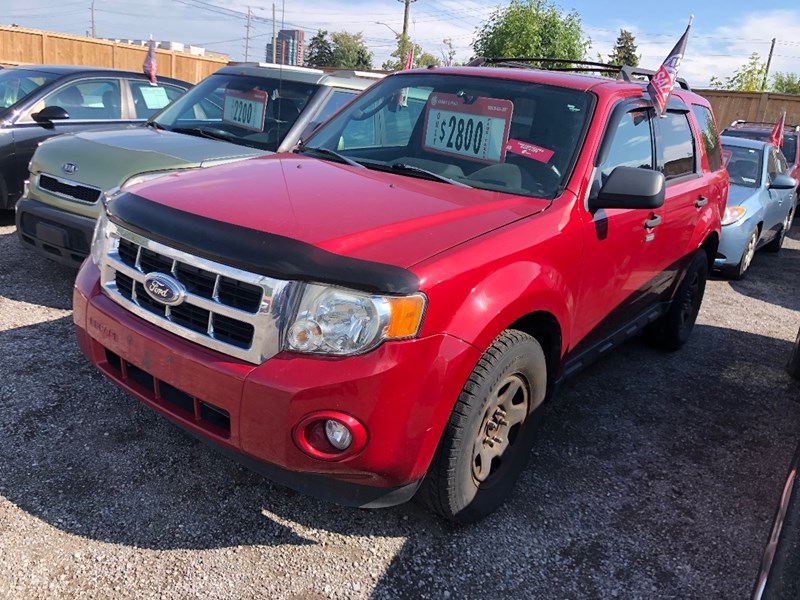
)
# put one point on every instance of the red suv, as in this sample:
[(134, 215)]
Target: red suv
[(384, 311)]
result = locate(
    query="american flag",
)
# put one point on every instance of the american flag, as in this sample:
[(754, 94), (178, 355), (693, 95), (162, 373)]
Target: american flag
[(776, 137), (149, 66), (660, 86)]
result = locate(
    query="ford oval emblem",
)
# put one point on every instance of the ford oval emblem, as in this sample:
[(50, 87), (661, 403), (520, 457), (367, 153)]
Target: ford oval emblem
[(69, 168), (164, 289)]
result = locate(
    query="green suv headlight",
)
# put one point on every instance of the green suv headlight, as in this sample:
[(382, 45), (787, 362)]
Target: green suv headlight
[(338, 321)]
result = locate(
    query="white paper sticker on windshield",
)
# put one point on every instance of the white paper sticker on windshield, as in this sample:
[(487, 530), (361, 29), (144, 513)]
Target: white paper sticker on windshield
[(245, 109), (472, 128), (154, 97)]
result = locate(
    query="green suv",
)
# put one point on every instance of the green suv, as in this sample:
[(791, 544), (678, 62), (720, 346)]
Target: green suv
[(239, 112)]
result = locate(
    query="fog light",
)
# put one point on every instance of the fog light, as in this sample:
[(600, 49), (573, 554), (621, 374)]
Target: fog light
[(338, 434)]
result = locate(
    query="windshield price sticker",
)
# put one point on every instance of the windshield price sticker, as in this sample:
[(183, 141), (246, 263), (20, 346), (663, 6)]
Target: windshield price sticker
[(473, 129), (245, 109), (529, 150)]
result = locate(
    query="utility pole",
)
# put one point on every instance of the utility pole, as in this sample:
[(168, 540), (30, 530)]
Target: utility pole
[(766, 71), (94, 33), (405, 15), (247, 37), (274, 37)]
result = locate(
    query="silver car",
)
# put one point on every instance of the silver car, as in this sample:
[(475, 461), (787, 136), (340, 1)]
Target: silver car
[(760, 203)]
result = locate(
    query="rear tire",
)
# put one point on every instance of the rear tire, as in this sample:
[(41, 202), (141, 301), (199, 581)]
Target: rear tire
[(487, 440), (672, 330)]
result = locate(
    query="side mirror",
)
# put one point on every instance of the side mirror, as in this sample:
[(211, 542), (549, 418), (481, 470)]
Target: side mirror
[(782, 182), (630, 187), (50, 113)]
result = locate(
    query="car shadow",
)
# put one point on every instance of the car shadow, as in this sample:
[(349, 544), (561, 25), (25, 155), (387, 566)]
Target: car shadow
[(638, 466), (33, 279), (773, 278)]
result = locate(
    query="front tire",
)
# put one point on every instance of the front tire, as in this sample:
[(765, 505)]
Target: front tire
[(739, 270), (487, 440), (672, 330)]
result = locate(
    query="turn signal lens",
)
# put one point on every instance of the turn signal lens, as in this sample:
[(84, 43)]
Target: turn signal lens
[(406, 316), (733, 214)]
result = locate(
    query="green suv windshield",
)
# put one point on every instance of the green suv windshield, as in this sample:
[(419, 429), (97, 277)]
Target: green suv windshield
[(489, 133), (18, 84), (251, 111)]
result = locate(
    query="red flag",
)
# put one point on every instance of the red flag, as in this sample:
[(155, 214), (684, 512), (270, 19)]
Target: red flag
[(409, 60), (149, 66), (660, 86), (776, 137)]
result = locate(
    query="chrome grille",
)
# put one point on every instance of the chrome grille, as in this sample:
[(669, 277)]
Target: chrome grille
[(71, 190), (226, 309)]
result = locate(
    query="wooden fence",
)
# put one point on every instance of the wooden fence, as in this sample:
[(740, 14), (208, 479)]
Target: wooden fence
[(752, 106), (19, 45)]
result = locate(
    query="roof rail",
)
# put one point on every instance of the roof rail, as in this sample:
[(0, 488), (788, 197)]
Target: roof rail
[(745, 122), (628, 73), (549, 64), (356, 73)]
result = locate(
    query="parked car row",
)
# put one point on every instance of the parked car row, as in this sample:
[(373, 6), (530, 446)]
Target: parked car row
[(381, 312)]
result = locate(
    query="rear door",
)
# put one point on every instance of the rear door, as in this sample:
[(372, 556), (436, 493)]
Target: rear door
[(779, 200)]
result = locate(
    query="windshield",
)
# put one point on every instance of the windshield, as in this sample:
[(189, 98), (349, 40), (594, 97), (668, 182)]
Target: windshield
[(789, 148), (494, 134), (18, 84), (246, 110), (744, 165)]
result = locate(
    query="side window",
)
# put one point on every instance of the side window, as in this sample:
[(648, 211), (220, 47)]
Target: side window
[(385, 124), (336, 100), (676, 151), (710, 136), (774, 166), (94, 99), (149, 99), (632, 144)]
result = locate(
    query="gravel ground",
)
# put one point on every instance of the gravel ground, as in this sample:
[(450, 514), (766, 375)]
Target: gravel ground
[(655, 476)]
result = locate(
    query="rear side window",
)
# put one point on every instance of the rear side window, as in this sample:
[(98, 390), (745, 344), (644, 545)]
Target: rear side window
[(676, 151), (710, 137), (632, 144), (149, 99)]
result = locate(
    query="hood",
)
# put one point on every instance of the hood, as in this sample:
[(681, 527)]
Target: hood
[(739, 194), (105, 159), (345, 210)]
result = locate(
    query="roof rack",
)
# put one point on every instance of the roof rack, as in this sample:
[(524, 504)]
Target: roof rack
[(745, 122), (625, 73)]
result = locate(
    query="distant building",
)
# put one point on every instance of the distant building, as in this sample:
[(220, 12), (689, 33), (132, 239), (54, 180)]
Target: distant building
[(289, 48)]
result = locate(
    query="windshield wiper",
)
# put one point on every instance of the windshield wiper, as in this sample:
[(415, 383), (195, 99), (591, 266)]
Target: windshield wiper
[(330, 153), (211, 133), (412, 170), (155, 126)]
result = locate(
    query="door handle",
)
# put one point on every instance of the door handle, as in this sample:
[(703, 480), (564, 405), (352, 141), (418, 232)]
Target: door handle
[(701, 202), (652, 222)]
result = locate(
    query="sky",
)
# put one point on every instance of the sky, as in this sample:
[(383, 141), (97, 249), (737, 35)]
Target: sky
[(723, 35)]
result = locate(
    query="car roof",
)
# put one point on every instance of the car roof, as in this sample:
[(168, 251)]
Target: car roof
[(759, 127), (743, 142), (341, 78), (64, 70), (574, 80)]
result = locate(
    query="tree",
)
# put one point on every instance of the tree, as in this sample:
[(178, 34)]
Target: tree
[(786, 83), (532, 28), (624, 52), (747, 78), (404, 44), (346, 50), (319, 52), (448, 53), (350, 51)]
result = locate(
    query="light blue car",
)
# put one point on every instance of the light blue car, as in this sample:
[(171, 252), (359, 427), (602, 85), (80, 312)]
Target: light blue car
[(760, 203)]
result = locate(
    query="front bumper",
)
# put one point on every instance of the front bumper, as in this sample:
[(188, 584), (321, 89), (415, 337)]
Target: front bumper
[(402, 393), (53, 233), (733, 242)]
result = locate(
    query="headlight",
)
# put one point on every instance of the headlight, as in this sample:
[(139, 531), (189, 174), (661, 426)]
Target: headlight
[(142, 177), (733, 214), (99, 238), (343, 322)]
